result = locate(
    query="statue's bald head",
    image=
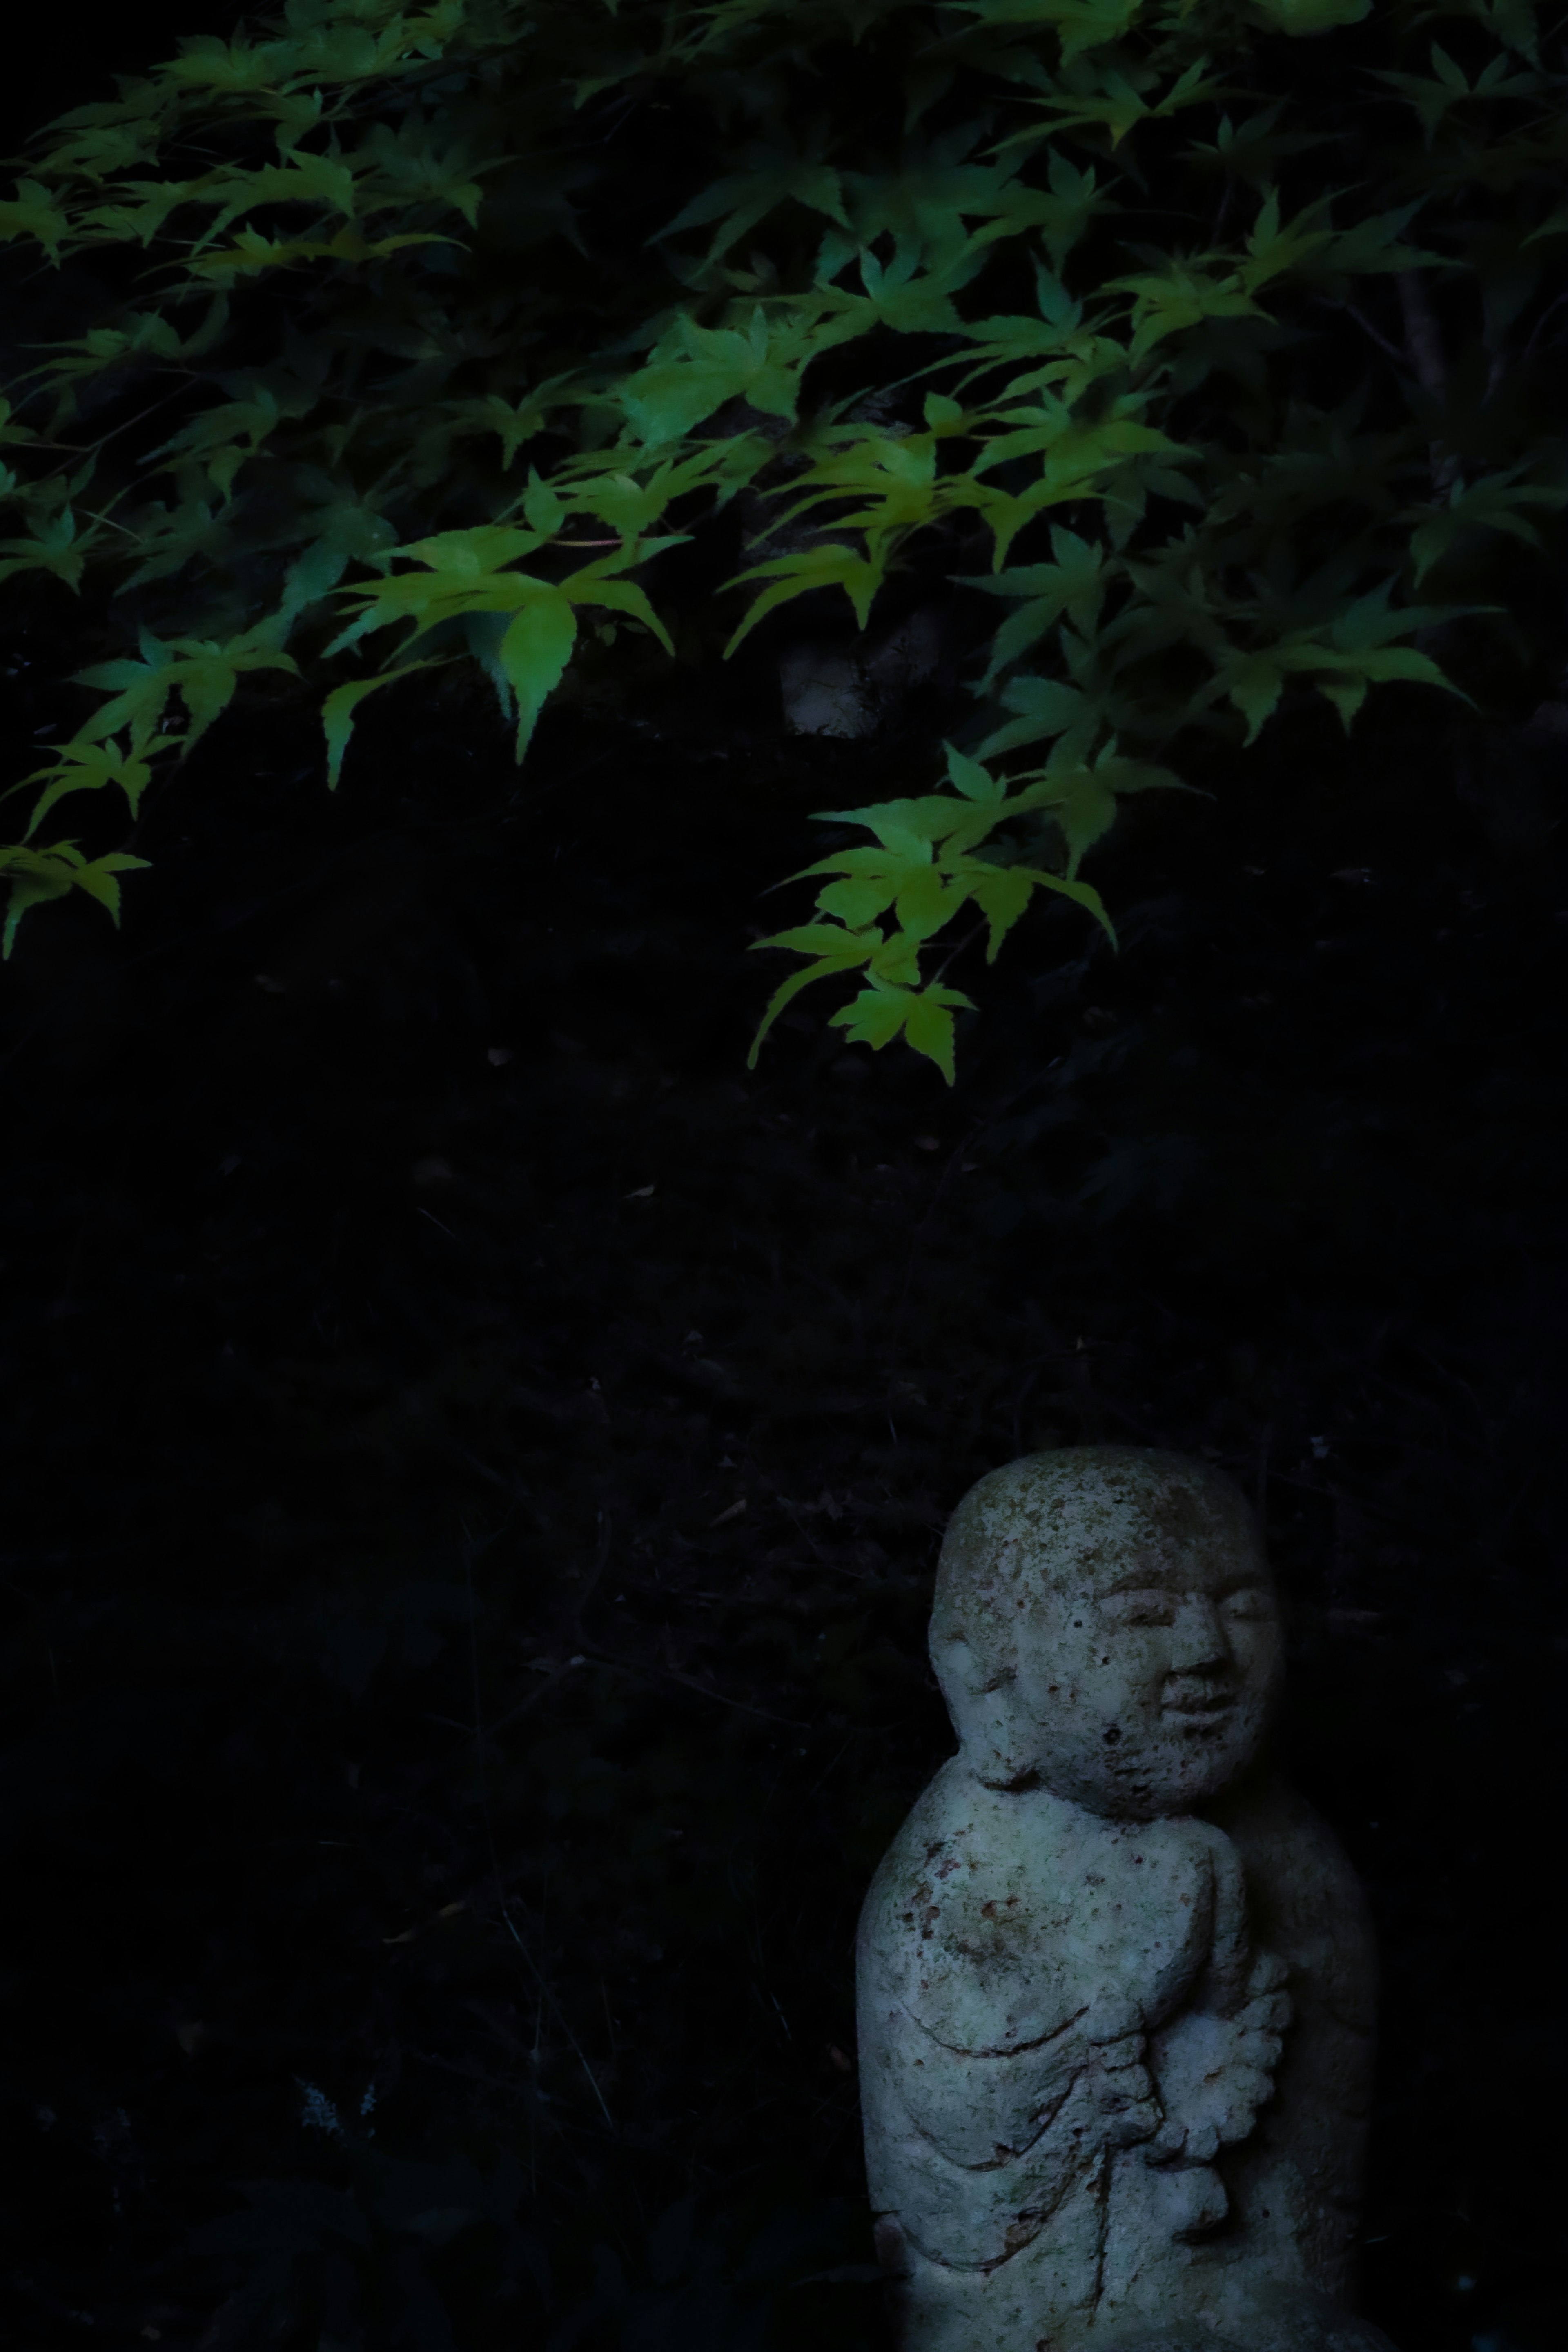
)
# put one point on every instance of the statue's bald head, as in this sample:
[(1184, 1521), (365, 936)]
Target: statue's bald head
[(1104, 1621)]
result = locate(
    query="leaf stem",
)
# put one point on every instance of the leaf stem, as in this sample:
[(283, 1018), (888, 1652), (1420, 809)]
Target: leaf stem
[(954, 952)]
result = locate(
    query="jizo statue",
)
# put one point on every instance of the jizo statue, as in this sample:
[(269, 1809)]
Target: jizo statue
[(1116, 1981)]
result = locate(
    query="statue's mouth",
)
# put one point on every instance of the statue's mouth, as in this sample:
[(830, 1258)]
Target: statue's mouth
[(1199, 1705)]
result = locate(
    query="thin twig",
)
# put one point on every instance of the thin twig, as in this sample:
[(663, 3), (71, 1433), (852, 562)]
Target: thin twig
[(525, 1707), (1424, 337), (1535, 331), (1401, 359), (490, 1839), (1422, 334), (642, 1673), (966, 942), (601, 1559), (93, 517), (91, 448)]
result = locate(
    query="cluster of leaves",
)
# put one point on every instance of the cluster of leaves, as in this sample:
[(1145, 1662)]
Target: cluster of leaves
[(1188, 283)]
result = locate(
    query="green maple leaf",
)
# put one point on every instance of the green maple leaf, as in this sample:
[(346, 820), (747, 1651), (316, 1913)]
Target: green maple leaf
[(1104, 96), (1179, 296), (1254, 149), (904, 871), (202, 673), (833, 950), (1080, 460), (878, 878), (348, 531), (10, 433), (1080, 796), (122, 222), (831, 565), (53, 546), (33, 212), (1492, 503), (36, 876), (1433, 97), (926, 869), (533, 652), (339, 707), (1075, 583), (140, 334), (251, 252), (602, 485), (169, 541), (1354, 652), (303, 177), (894, 474), (773, 176), (1272, 249), (468, 574), (406, 165), (900, 295), (923, 204), (460, 571), (694, 369), (103, 142), (514, 422), (1063, 212), (923, 1016), (80, 766), (1045, 707), (911, 828), (1002, 893), (1512, 22), (226, 436), (208, 62), (1373, 246), (1078, 25)]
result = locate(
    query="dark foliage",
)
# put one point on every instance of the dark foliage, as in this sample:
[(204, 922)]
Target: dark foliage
[(528, 336)]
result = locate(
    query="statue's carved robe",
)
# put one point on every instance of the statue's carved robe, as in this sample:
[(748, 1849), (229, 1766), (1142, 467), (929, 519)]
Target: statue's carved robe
[(1010, 1945)]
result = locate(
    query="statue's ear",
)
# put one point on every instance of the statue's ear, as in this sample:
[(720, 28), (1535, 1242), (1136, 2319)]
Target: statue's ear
[(984, 1708)]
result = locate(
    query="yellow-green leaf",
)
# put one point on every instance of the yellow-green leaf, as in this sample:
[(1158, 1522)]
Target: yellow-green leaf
[(534, 653), (338, 711)]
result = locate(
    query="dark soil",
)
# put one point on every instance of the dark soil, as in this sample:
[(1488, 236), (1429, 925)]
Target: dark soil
[(477, 1458)]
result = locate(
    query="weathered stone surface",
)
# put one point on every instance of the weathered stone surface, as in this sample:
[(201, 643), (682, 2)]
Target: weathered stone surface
[(1116, 1981)]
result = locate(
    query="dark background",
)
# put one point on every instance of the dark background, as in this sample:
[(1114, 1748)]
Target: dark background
[(57, 58), (396, 1695)]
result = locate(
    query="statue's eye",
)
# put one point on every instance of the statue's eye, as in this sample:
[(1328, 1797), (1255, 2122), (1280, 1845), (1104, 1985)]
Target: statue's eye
[(1251, 1600), (1145, 1608)]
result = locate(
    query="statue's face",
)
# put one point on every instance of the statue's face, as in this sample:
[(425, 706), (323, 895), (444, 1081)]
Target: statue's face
[(1147, 1663)]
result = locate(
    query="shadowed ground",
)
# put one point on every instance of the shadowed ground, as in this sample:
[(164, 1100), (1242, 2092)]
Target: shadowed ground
[(477, 1457)]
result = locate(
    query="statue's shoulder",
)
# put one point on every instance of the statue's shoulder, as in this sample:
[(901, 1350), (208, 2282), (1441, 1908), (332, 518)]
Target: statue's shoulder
[(963, 1841), (965, 1925)]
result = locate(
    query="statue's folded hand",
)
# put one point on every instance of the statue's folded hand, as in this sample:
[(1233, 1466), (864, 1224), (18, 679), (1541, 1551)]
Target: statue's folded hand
[(1268, 2007), (1118, 2072), (1261, 2021), (1214, 2074)]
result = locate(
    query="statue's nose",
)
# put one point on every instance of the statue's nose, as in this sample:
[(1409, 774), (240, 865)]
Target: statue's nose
[(1197, 1637)]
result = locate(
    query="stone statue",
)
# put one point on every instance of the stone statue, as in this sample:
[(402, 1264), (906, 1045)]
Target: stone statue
[(1116, 1981)]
